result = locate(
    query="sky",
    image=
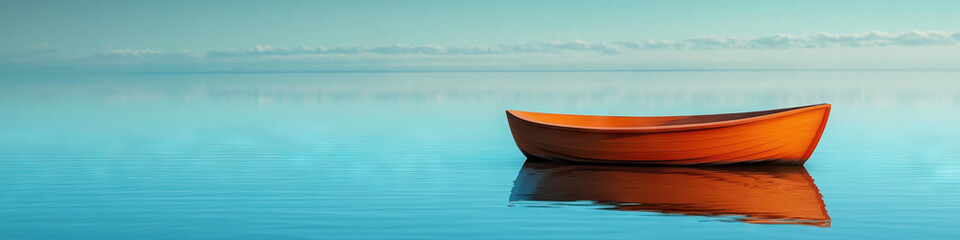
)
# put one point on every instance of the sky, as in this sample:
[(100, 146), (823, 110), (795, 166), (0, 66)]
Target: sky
[(398, 35)]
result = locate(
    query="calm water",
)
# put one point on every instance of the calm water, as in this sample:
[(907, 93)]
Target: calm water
[(429, 155)]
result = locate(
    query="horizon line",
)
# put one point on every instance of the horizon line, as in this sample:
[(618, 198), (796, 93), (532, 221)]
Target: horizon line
[(498, 71)]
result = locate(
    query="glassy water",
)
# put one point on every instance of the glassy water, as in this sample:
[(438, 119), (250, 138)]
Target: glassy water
[(430, 156)]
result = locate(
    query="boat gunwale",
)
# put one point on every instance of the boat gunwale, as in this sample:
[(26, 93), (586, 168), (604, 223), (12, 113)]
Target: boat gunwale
[(670, 128)]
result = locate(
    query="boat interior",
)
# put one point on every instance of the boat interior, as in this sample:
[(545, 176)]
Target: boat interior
[(588, 121)]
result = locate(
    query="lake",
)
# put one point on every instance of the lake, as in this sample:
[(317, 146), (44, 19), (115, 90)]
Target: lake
[(429, 155)]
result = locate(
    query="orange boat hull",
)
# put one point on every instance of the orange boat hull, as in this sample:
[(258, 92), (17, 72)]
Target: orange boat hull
[(783, 136), (748, 193)]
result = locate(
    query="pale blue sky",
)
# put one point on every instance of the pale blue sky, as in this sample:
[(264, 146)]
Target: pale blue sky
[(64, 30)]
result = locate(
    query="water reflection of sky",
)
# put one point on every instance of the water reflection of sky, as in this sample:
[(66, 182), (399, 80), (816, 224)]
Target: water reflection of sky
[(405, 154)]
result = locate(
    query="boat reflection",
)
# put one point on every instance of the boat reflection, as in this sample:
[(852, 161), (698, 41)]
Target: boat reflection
[(765, 194)]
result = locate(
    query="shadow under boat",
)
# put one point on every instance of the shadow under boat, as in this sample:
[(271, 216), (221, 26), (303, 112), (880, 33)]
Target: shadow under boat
[(766, 194)]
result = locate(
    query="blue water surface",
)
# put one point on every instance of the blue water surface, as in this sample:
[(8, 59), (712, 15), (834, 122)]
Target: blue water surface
[(430, 155)]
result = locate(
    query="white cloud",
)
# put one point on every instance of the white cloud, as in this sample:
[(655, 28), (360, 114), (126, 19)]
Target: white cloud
[(921, 49), (133, 56), (41, 52), (429, 49), (120, 53), (777, 41), (786, 41)]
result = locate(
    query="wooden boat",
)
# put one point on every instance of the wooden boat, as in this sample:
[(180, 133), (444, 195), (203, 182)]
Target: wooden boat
[(766, 194), (783, 136)]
